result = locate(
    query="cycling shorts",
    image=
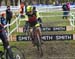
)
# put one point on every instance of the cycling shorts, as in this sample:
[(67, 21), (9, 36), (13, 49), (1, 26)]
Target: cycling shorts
[(34, 24)]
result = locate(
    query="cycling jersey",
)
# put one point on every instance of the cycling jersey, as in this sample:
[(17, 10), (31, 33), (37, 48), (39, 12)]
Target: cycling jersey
[(31, 17), (2, 23)]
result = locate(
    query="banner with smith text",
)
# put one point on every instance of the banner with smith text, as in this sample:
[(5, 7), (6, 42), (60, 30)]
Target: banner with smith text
[(47, 37)]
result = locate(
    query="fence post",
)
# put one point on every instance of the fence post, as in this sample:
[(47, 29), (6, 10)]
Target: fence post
[(17, 24), (72, 20), (8, 32)]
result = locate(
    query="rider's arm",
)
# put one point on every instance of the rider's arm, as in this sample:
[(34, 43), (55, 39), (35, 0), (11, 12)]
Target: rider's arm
[(38, 17)]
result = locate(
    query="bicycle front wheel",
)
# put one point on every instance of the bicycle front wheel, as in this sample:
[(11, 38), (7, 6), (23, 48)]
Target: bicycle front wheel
[(39, 47), (17, 54)]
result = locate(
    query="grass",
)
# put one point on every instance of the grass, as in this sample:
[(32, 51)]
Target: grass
[(54, 45), (25, 43)]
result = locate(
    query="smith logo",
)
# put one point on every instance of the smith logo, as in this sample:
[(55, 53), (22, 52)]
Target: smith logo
[(47, 37)]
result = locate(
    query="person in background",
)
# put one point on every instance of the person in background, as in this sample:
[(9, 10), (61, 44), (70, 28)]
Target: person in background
[(66, 9), (2, 19), (26, 26), (22, 9), (68, 6), (26, 7), (8, 15)]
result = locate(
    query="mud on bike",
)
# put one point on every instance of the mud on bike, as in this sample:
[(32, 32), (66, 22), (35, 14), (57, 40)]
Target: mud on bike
[(37, 41)]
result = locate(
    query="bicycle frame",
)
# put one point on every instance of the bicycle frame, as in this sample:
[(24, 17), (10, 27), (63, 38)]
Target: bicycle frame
[(36, 34), (37, 40)]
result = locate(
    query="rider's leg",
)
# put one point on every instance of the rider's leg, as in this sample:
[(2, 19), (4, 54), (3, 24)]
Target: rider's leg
[(31, 35), (6, 44), (38, 30)]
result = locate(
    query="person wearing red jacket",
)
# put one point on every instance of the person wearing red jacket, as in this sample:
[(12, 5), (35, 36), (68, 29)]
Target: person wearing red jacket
[(22, 9)]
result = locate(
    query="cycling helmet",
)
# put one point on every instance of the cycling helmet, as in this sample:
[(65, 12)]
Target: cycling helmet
[(29, 8)]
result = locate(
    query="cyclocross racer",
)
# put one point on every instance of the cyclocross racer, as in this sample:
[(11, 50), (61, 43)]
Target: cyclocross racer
[(32, 19), (3, 36)]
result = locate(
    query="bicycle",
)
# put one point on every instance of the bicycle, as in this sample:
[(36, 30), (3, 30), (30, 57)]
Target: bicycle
[(37, 39), (26, 26), (17, 54)]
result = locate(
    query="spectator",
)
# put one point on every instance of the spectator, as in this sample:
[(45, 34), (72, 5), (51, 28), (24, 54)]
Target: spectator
[(22, 10), (8, 14), (26, 26), (68, 6), (26, 7), (2, 19), (66, 9)]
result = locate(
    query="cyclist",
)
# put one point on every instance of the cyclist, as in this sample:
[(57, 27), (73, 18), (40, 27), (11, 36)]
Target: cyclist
[(3, 20), (32, 20), (39, 20), (3, 35)]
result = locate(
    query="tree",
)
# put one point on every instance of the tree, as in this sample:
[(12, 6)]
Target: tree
[(5, 2), (0, 2), (46, 1)]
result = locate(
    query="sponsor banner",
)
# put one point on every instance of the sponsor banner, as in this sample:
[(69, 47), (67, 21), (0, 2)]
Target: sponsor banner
[(59, 28), (47, 37)]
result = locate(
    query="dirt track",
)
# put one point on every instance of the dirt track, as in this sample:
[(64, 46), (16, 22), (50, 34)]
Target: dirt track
[(51, 50)]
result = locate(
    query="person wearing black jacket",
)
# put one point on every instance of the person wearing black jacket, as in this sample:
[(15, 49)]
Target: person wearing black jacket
[(8, 14), (65, 11)]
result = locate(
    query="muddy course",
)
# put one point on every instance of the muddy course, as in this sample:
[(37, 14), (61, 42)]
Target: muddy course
[(51, 50)]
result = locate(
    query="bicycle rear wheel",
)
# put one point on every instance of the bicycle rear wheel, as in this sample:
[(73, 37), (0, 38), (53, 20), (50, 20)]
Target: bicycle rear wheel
[(17, 54)]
